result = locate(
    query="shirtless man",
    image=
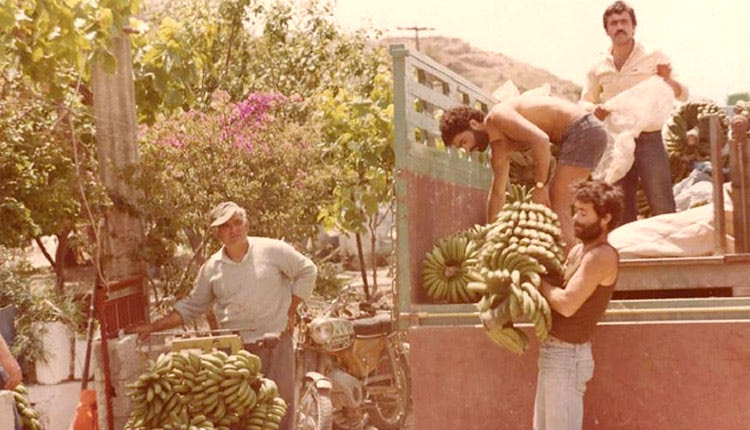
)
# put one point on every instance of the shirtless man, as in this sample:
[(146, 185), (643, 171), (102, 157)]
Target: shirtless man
[(532, 123)]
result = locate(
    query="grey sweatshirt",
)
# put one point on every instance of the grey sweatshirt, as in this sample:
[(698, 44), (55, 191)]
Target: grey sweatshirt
[(253, 293)]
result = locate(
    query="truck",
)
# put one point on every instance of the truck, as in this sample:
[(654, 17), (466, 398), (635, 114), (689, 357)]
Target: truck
[(673, 349)]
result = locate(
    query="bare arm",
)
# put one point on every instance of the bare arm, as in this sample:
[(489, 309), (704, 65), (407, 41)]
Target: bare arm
[(171, 320), (10, 365), (292, 312), (591, 92), (665, 71), (597, 266), (518, 128), (500, 166)]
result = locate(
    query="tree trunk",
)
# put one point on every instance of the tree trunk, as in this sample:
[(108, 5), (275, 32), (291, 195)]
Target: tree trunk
[(362, 267), (373, 258), (117, 149), (58, 261), (47, 255), (63, 246)]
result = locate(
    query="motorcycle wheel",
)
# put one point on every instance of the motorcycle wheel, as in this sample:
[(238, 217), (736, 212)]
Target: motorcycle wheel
[(390, 404), (315, 410)]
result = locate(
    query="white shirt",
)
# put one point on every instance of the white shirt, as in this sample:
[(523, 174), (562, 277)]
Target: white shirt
[(604, 81), (254, 293)]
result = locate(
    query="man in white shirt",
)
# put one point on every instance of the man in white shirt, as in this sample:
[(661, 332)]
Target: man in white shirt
[(256, 283), (626, 64)]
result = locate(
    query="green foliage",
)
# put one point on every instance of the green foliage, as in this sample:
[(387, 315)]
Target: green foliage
[(231, 151), (39, 194), (46, 49), (342, 97), (35, 305), (359, 134), (732, 99), (329, 281), (55, 42), (193, 48), (322, 153)]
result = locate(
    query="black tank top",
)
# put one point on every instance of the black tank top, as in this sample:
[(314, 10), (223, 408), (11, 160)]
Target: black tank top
[(579, 327)]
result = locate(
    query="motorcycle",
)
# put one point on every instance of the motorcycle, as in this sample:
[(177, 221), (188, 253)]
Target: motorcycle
[(354, 372)]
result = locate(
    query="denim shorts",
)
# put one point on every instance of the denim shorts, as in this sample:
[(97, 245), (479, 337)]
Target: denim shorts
[(583, 143)]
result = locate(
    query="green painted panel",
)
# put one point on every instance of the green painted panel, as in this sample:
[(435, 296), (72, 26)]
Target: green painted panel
[(402, 246), (437, 164), (423, 121), (431, 96), (449, 165), (424, 62)]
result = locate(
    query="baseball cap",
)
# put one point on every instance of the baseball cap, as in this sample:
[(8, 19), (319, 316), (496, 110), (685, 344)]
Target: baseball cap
[(222, 212)]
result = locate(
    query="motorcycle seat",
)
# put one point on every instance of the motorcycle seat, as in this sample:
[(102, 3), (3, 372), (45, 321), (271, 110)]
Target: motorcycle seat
[(379, 324)]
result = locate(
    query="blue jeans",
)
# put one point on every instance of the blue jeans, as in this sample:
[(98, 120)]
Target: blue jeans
[(651, 166), (564, 370)]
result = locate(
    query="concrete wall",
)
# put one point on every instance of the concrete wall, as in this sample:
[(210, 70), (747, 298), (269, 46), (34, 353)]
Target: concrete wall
[(7, 419), (126, 364), (670, 375), (56, 404)]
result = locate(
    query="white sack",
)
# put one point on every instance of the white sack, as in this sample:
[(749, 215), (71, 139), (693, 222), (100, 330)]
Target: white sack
[(689, 233), (646, 106)]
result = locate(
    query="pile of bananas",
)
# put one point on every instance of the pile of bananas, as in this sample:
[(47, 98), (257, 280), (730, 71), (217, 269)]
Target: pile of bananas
[(445, 272), (687, 141), (742, 107), (686, 136), (29, 415), (201, 391), (267, 414), (521, 246)]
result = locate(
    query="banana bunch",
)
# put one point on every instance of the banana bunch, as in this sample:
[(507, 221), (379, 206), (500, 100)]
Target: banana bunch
[(198, 422), (742, 107), (29, 415), (445, 273), (521, 166), (266, 415), (154, 398), (521, 246), (686, 136), (189, 389)]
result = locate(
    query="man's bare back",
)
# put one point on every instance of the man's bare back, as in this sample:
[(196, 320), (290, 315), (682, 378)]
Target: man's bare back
[(532, 124), (551, 114)]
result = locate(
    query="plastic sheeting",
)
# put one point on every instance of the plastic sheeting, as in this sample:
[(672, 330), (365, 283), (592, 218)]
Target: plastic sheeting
[(646, 106)]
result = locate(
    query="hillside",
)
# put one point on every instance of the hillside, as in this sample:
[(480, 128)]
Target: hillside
[(489, 70)]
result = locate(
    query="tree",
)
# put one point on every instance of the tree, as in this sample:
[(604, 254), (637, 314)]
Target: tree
[(732, 99), (194, 48), (46, 50), (359, 132), (240, 151), (41, 190)]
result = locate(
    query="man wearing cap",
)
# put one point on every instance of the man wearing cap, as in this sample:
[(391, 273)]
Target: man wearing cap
[(257, 284)]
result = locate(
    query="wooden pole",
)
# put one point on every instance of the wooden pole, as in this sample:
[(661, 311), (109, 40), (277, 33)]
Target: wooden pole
[(739, 161), (717, 143)]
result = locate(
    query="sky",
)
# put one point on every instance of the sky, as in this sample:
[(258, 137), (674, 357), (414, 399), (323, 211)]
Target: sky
[(708, 42)]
